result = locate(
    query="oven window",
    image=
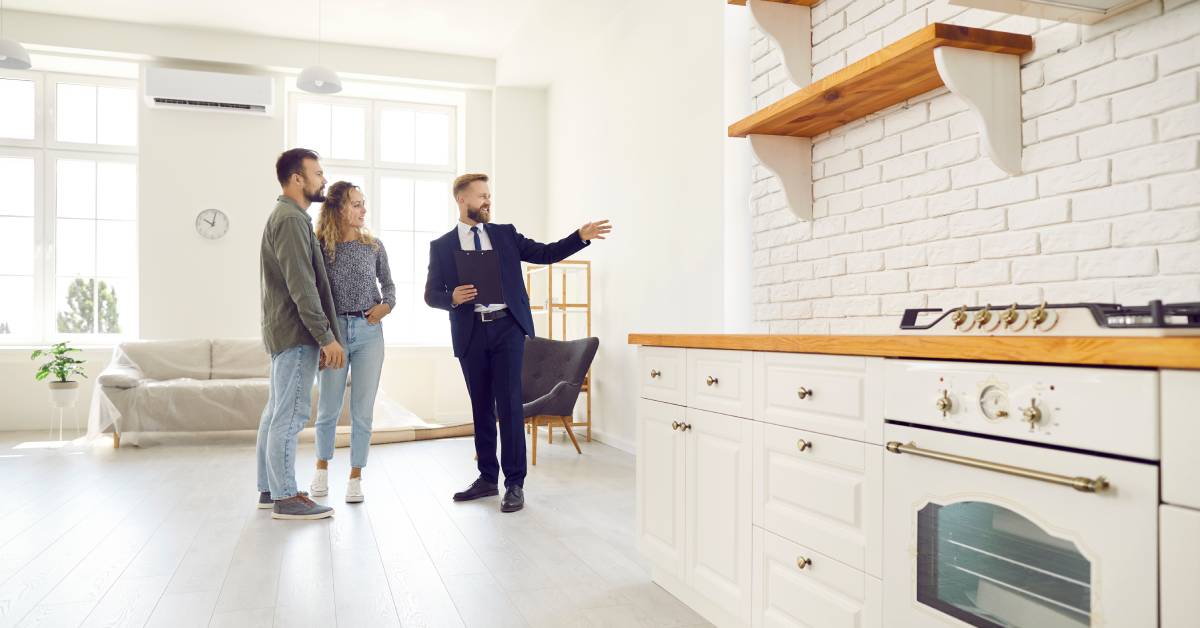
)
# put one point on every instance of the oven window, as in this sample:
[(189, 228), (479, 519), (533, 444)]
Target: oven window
[(988, 566)]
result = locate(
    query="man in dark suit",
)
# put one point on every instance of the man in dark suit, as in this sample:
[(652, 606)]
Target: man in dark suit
[(489, 338)]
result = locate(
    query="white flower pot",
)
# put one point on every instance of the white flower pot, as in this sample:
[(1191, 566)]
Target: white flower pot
[(64, 394)]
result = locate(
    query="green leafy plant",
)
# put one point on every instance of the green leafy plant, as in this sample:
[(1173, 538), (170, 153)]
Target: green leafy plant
[(61, 364)]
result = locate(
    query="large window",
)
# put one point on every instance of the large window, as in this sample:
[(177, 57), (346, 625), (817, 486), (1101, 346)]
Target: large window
[(404, 157), (68, 226)]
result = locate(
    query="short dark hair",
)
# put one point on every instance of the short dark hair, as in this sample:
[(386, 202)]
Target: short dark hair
[(292, 162), (462, 182)]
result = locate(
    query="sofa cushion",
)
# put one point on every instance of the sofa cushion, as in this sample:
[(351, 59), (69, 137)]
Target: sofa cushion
[(171, 359), (234, 358)]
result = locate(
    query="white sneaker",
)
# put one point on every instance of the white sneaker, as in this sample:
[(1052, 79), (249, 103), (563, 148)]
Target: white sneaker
[(354, 492), (320, 483)]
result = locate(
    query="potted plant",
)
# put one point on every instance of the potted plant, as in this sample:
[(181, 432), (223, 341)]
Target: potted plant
[(63, 390)]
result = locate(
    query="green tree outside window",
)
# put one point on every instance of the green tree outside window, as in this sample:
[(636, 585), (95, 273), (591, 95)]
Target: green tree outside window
[(81, 308)]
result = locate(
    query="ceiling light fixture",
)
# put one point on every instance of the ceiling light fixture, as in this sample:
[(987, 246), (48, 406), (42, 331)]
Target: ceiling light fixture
[(319, 79)]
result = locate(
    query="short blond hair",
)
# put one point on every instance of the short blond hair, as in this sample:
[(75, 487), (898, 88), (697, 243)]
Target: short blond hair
[(462, 182)]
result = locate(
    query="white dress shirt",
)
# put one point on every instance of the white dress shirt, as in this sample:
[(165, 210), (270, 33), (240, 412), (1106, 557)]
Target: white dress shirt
[(466, 240)]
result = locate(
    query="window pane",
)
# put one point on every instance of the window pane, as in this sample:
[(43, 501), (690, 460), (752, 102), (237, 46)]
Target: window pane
[(433, 205), (312, 127), (76, 247), (17, 182), (117, 116), (17, 109), (116, 301), (401, 318), (76, 113), (400, 254), (429, 325), (421, 242), (76, 189), (16, 308), (349, 131), (75, 312), (16, 246), (116, 190), (433, 138), (116, 248), (396, 136), (395, 203)]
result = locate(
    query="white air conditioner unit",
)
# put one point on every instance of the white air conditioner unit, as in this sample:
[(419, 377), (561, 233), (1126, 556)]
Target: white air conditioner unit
[(209, 91)]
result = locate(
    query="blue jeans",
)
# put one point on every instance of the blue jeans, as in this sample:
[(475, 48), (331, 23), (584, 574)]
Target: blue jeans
[(364, 362), (288, 408)]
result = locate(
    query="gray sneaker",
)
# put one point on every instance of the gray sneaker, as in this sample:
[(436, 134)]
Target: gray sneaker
[(265, 501), (300, 507)]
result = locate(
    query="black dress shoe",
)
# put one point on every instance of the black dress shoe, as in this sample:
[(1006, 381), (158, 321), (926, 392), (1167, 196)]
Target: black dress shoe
[(478, 488), (514, 499)]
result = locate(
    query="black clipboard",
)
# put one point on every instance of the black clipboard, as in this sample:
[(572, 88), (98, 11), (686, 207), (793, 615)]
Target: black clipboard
[(482, 270)]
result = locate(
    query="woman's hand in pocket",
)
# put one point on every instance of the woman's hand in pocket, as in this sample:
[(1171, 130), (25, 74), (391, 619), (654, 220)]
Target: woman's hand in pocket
[(376, 314)]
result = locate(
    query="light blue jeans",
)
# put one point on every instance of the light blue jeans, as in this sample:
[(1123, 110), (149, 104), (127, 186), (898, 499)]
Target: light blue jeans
[(288, 408), (364, 362)]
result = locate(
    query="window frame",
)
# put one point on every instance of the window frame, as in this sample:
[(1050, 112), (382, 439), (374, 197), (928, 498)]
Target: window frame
[(39, 108), (51, 128)]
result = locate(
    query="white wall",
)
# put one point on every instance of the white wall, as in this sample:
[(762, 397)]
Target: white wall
[(908, 213), (636, 135), (519, 183)]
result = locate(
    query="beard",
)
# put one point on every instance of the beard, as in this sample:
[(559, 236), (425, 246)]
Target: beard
[(315, 197), (478, 214)]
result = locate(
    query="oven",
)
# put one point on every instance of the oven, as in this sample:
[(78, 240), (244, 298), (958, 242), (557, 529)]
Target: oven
[(1020, 495)]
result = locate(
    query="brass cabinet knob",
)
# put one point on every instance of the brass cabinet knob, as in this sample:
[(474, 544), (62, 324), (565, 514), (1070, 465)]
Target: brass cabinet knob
[(676, 425), (711, 381), (804, 393), (1032, 414), (685, 426), (944, 403), (655, 373), (803, 561), (803, 445)]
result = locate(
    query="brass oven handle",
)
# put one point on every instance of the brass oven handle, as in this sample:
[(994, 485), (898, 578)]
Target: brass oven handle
[(1082, 484)]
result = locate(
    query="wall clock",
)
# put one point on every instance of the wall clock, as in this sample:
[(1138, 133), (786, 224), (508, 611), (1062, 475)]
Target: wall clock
[(212, 223)]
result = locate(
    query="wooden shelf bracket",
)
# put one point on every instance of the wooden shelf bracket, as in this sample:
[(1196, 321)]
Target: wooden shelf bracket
[(990, 84), (790, 27), (790, 159)]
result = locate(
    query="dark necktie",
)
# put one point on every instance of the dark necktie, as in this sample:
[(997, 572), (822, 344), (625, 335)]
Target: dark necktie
[(475, 233)]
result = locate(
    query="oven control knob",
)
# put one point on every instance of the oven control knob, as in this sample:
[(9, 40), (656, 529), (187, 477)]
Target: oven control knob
[(1032, 414), (944, 404)]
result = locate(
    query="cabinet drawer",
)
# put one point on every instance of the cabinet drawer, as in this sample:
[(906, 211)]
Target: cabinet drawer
[(720, 381), (822, 491), (824, 393), (824, 594), (661, 372), (1180, 437)]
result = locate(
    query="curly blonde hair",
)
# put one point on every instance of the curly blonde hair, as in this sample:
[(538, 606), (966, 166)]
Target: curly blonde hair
[(330, 221)]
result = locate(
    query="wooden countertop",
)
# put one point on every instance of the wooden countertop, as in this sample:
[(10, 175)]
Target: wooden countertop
[(1176, 353)]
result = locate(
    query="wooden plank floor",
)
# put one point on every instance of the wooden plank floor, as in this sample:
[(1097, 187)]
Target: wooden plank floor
[(168, 535)]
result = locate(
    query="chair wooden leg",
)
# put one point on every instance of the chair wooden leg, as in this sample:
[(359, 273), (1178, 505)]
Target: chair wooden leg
[(116, 440), (534, 424), (566, 421), (550, 432)]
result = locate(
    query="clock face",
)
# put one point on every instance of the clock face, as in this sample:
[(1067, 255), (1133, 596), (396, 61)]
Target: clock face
[(212, 223)]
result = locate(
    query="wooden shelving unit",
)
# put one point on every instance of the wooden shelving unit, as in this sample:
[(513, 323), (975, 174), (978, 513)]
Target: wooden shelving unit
[(550, 307), (896, 73)]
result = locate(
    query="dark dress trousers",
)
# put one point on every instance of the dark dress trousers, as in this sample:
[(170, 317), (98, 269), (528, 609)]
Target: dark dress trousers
[(491, 353)]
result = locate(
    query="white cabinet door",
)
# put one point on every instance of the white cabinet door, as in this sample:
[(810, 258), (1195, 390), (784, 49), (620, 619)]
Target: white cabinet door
[(1181, 437), (720, 381), (1180, 556), (662, 374), (821, 491), (795, 586), (660, 485), (719, 475), (830, 394)]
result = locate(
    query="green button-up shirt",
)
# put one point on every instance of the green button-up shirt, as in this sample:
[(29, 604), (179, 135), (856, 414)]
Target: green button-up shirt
[(297, 303)]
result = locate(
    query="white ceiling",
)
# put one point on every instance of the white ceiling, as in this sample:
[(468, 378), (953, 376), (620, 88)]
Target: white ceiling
[(481, 28)]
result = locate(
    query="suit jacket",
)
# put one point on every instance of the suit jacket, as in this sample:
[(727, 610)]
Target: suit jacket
[(512, 248)]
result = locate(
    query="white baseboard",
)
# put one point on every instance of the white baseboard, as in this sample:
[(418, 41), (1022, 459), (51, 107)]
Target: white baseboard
[(617, 442)]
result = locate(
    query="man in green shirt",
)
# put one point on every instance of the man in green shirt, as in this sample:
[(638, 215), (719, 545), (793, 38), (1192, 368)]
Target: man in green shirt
[(299, 329)]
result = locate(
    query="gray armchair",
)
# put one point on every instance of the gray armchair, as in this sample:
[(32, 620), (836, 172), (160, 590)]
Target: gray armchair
[(551, 379)]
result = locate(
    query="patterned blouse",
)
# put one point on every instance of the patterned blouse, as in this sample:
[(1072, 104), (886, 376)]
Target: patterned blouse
[(356, 274)]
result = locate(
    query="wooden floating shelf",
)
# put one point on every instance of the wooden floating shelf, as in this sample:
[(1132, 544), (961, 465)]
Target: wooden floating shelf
[(896, 73)]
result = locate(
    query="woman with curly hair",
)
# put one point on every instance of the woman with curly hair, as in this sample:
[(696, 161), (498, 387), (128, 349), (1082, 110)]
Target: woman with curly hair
[(357, 265)]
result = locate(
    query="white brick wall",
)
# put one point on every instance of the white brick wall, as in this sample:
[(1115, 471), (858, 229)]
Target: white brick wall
[(909, 213)]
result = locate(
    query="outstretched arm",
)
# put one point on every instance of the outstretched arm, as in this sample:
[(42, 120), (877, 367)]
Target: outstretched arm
[(539, 253)]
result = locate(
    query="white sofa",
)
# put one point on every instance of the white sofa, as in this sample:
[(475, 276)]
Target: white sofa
[(181, 386)]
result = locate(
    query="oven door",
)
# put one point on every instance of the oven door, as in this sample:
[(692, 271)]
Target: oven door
[(979, 532)]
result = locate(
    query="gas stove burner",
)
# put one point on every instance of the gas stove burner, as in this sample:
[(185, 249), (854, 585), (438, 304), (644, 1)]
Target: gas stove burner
[(1069, 319)]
